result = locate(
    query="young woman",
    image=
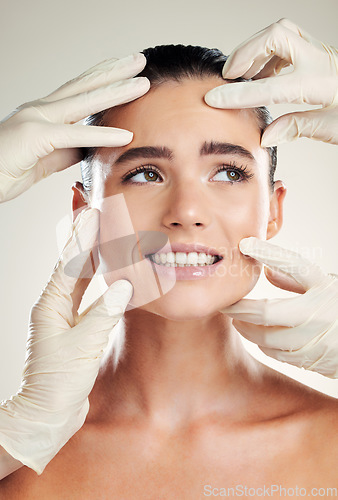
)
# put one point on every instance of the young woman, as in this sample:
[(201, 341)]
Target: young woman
[(185, 409)]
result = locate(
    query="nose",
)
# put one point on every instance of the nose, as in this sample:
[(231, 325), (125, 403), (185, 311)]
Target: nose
[(187, 207)]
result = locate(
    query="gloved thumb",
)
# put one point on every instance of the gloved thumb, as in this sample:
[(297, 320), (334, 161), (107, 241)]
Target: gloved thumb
[(108, 309), (283, 281), (315, 124)]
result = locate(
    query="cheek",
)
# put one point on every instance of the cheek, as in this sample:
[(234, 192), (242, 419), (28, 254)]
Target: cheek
[(244, 213)]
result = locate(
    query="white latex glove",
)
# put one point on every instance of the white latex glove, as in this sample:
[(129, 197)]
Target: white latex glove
[(63, 356), (40, 138), (301, 330), (314, 80)]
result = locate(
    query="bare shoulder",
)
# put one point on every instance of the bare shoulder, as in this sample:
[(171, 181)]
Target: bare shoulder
[(286, 388), (317, 412)]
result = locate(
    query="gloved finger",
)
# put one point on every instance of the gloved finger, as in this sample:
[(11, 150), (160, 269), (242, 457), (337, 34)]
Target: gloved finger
[(305, 272), (291, 311), (102, 74), (75, 108), (61, 137), (281, 337), (55, 300), (303, 358), (295, 358), (320, 124), (79, 136), (276, 39), (256, 93), (270, 312), (283, 281), (108, 309), (272, 68), (258, 64)]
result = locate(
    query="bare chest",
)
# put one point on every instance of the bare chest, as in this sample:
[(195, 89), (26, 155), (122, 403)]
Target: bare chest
[(128, 465)]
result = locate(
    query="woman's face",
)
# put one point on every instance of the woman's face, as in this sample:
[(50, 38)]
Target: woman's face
[(185, 195)]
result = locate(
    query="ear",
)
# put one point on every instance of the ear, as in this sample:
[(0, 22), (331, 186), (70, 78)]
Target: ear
[(276, 210), (80, 199)]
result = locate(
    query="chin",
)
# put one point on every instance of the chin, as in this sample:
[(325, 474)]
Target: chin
[(193, 303)]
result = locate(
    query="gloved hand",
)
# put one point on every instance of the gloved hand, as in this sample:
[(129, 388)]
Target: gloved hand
[(314, 80), (40, 137), (63, 355), (301, 330)]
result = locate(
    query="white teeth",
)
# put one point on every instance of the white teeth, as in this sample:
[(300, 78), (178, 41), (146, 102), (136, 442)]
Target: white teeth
[(170, 257), (182, 259), (202, 258), (192, 258)]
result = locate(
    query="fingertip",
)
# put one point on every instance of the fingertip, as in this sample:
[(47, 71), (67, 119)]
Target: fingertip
[(268, 143), (225, 69), (212, 98), (128, 135), (228, 72), (122, 137), (208, 98), (280, 131), (136, 59), (123, 285), (247, 244), (145, 82), (268, 140), (139, 57)]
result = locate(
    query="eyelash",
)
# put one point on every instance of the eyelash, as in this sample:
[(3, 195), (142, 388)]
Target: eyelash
[(231, 166)]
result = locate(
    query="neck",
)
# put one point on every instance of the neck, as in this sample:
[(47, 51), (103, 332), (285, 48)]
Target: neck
[(172, 372)]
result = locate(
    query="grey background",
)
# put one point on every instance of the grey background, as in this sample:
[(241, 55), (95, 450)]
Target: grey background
[(44, 44)]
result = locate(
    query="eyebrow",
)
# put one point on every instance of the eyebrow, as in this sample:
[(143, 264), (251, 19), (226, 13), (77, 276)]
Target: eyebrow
[(225, 148), (208, 148), (145, 152)]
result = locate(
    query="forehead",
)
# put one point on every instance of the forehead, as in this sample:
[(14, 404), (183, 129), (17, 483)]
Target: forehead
[(174, 114)]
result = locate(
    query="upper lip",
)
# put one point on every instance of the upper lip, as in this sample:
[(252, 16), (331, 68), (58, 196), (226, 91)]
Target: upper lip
[(186, 248)]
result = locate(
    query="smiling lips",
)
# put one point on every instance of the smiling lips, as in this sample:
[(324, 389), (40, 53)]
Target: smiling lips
[(190, 261), (185, 255)]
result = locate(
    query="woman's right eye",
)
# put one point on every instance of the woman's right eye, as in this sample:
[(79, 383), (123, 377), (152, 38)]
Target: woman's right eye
[(138, 175)]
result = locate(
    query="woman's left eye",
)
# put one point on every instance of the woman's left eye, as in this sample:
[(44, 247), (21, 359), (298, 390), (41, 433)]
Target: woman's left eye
[(233, 174), (230, 175)]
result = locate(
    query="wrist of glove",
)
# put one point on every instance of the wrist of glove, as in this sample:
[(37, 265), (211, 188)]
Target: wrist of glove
[(63, 358), (301, 330)]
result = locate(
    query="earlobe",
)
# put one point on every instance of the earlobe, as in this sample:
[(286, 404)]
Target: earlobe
[(276, 210), (80, 199)]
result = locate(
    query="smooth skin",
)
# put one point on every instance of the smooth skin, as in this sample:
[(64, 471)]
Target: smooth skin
[(187, 406)]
